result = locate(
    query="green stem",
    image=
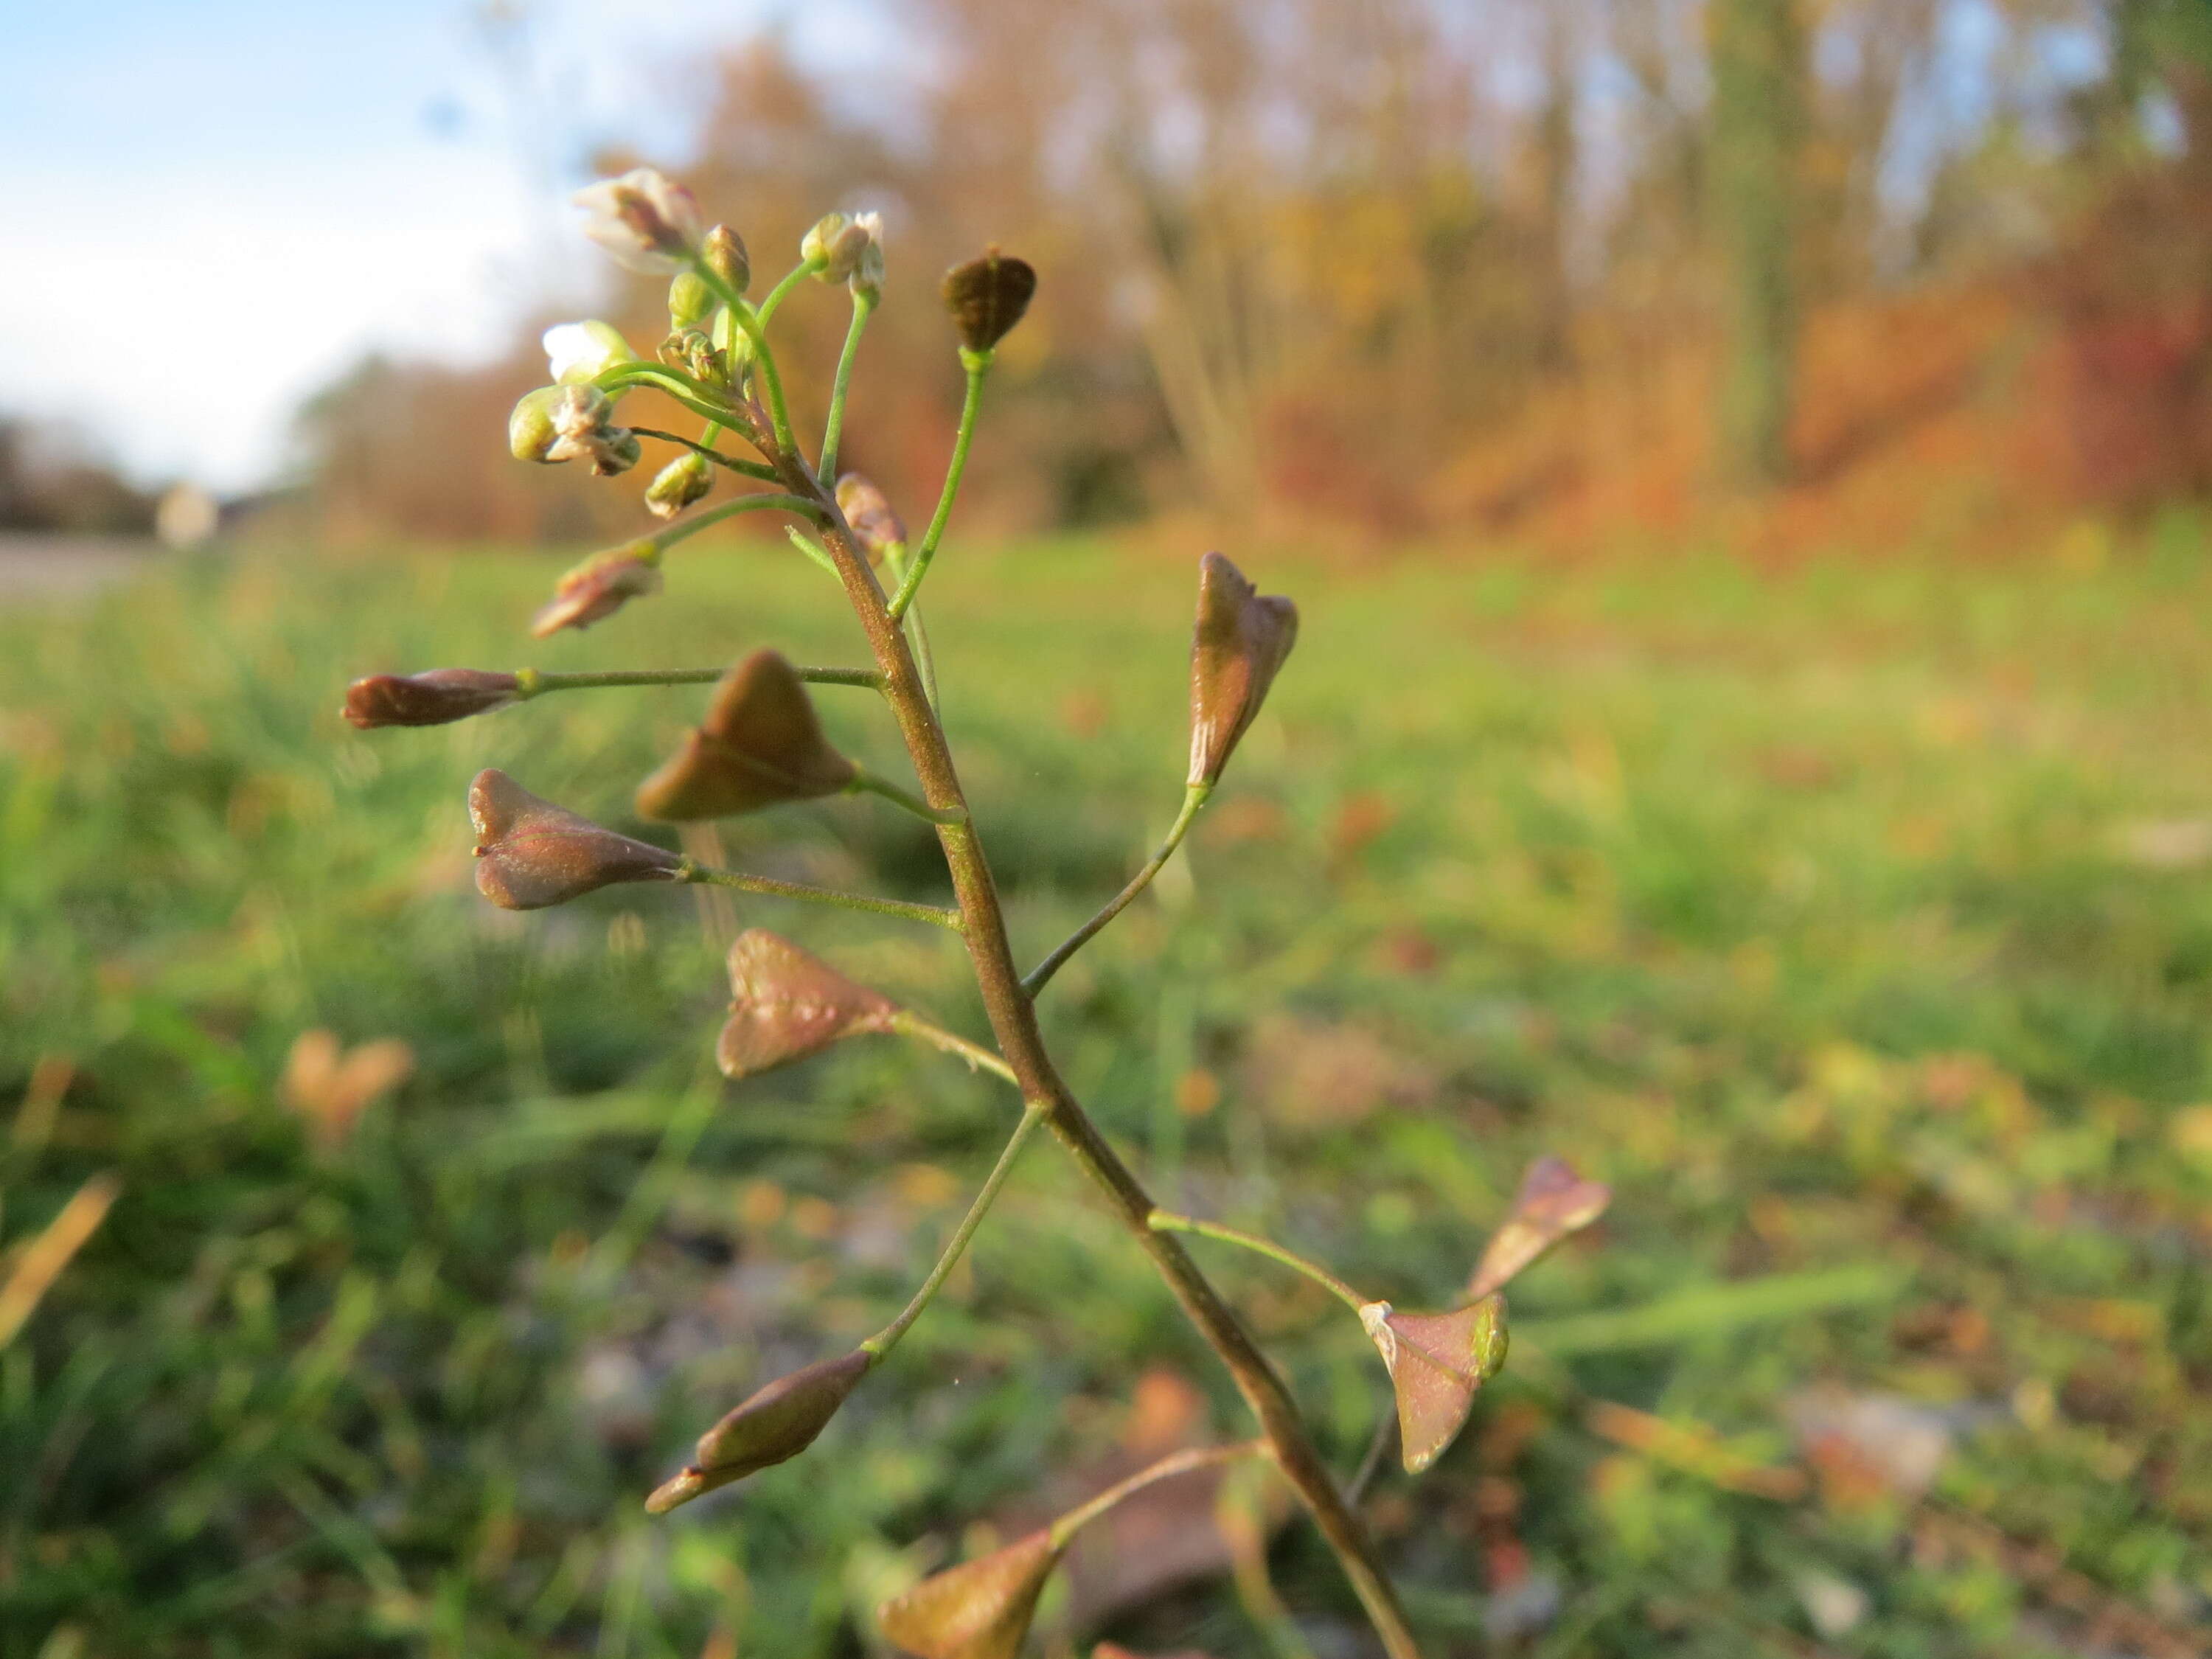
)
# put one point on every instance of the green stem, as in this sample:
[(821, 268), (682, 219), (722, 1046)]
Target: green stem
[(703, 877), (763, 358), (978, 365), (864, 303), (751, 469), (907, 1022), (698, 398), (1194, 797), (868, 782), (884, 1341), (536, 682), (798, 274), (683, 529), (1166, 1221), (1183, 1463)]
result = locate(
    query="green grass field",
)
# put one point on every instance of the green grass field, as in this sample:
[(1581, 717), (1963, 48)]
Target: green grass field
[(1855, 925)]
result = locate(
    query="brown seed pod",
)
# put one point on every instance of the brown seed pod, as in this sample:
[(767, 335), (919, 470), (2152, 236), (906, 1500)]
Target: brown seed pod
[(1553, 1202), (1436, 1362), (988, 296), (1239, 642), (786, 1003), (759, 745), (868, 510), (980, 1609), (778, 1422), (531, 854), (434, 698), (597, 588)]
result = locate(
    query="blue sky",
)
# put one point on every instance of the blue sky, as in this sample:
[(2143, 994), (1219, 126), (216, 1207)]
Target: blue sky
[(215, 205)]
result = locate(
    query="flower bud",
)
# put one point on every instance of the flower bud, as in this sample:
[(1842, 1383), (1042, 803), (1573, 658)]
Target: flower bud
[(786, 1004), (865, 278), (725, 254), (776, 1423), (1436, 1362), (646, 221), (598, 587), (1240, 639), (431, 699), (692, 301), (531, 853), (1553, 1202), (980, 1609), (676, 486), (988, 296), (692, 350), (818, 246), (578, 352), (529, 431), (759, 745), (868, 511), (581, 419)]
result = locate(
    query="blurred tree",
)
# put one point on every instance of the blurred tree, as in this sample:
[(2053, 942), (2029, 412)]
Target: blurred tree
[(49, 483)]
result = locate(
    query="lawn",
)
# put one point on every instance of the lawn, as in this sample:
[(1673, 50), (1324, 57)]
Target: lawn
[(1855, 924)]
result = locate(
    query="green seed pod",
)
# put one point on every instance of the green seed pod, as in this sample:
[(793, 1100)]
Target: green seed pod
[(988, 296), (980, 1609), (760, 745)]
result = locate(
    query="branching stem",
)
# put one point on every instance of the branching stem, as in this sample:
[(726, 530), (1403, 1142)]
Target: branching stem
[(1194, 797), (868, 782), (705, 447), (907, 1022)]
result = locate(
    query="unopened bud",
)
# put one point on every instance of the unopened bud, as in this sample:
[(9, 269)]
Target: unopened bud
[(647, 221), (865, 278), (582, 418), (1240, 640), (818, 245), (1553, 1202), (599, 586), (1436, 1362), (980, 1609), (760, 744), (531, 854), (431, 699), (692, 350), (869, 512), (986, 297), (692, 301), (776, 1423), (724, 253), (577, 352), (530, 430), (676, 486), (786, 1003)]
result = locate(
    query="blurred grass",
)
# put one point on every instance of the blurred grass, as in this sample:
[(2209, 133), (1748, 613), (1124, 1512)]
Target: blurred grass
[(1855, 924)]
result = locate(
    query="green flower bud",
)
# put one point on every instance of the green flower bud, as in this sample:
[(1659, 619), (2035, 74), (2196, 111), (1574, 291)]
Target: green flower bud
[(817, 246), (529, 430), (676, 486), (692, 301), (724, 252)]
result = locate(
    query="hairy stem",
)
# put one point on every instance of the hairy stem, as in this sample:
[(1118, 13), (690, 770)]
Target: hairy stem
[(978, 364), (886, 1339), (701, 876), (1194, 797), (1165, 1221), (1013, 1022)]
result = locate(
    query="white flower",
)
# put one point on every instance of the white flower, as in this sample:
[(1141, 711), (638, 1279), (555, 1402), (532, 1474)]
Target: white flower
[(844, 247), (647, 221), (584, 351), (583, 430)]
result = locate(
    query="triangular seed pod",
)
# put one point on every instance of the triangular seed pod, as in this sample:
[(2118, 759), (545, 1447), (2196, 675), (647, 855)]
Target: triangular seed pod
[(759, 745), (598, 587), (986, 297), (531, 854), (433, 699), (1553, 1201), (777, 1422), (1436, 1362), (980, 1609), (786, 1003), (1240, 640)]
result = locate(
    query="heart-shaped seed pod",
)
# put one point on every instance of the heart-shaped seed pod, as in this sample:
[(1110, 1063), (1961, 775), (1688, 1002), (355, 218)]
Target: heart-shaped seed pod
[(1553, 1202), (434, 698), (598, 587), (980, 1609), (760, 745), (988, 296), (786, 1003), (531, 854), (1436, 1362), (1239, 642), (778, 1422)]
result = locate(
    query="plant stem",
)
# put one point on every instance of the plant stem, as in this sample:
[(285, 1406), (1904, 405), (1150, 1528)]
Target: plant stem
[(907, 1022), (702, 876), (536, 682), (864, 303), (885, 1339), (683, 529), (798, 274), (978, 365), (751, 469), (763, 358), (1194, 797), (1187, 1461), (682, 387), (868, 782), (1013, 1022), (1166, 1221)]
